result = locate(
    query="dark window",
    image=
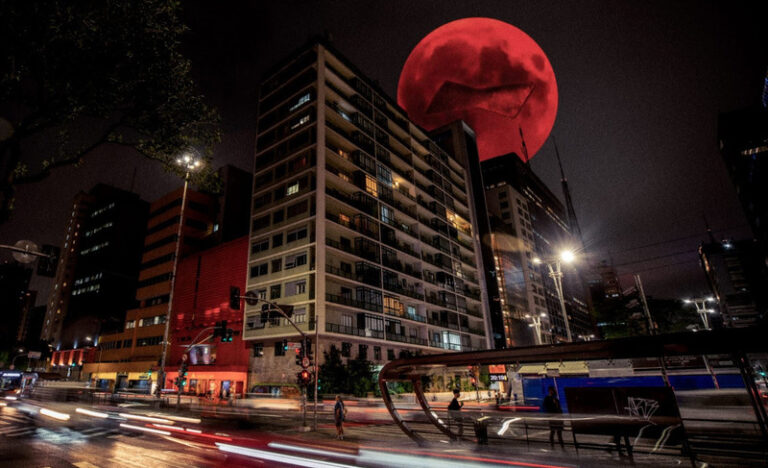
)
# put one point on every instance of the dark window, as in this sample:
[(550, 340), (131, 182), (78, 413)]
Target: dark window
[(362, 351), (390, 354), (278, 216), (274, 291), (154, 280), (346, 349), (260, 202), (164, 224), (160, 243), (157, 261), (295, 235), (377, 353), (277, 265), (194, 223), (150, 341), (279, 350), (260, 222), (259, 270), (504, 204), (502, 195), (298, 208), (258, 350), (277, 240), (260, 246)]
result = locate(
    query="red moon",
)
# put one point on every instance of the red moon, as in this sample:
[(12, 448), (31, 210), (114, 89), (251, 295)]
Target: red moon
[(488, 73)]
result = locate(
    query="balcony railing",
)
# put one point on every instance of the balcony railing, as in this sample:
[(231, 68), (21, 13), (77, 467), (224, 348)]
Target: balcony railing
[(354, 331), (410, 292), (348, 301), (351, 225), (367, 208), (406, 248), (371, 278), (371, 255), (406, 339), (398, 313)]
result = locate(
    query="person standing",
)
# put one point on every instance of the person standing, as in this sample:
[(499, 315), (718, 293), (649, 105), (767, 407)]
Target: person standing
[(552, 406), (339, 414), (454, 410)]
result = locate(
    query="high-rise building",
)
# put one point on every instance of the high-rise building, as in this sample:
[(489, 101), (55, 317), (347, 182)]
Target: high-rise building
[(359, 221), (96, 278), (125, 357), (736, 277), (458, 139), (528, 221), (58, 300), (743, 139)]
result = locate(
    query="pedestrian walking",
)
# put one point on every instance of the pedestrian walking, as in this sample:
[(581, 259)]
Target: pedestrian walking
[(552, 406), (339, 414), (454, 410)]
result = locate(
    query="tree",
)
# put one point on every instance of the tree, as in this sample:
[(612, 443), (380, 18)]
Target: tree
[(361, 379), (80, 75), (333, 372)]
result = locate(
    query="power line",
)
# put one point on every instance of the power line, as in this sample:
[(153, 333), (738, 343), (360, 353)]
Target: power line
[(657, 257), (653, 244)]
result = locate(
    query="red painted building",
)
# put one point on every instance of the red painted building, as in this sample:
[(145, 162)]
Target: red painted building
[(67, 361), (201, 298)]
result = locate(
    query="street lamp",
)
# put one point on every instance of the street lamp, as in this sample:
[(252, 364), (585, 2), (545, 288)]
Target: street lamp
[(535, 323), (190, 163), (702, 309), (554, 265)]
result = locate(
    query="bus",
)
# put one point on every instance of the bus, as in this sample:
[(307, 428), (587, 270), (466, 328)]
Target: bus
[(16, 383)]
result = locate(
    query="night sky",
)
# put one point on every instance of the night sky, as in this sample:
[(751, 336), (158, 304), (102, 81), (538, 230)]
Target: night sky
[(640, 88)]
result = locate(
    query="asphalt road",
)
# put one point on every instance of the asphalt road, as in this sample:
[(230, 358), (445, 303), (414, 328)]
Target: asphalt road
[(137, 437)]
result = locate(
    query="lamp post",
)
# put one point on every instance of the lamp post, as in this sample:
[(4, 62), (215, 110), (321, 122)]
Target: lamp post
[(190, 163), (535, 323), (701, 308), (554, 265)]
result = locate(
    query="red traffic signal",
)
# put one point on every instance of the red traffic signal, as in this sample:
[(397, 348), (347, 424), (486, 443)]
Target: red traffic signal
[(304, 377)]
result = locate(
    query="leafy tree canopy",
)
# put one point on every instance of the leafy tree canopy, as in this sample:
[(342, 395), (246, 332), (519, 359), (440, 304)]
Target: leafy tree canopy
[(76, 75)]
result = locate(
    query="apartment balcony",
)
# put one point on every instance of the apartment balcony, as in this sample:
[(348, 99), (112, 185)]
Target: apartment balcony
[(397, 265), (353, 331), (359, 200), (368, 254), (400, 226), (475, 331), (348, 301), (473, 293), (398, 313), (449, 346), (401, 246), (370, 278), (443, 324), (407, 339), (410, 211), (434, 299), (409, 291), (352, 223)]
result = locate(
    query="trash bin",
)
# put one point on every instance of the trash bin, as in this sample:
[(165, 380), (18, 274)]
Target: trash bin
[(481, 430)]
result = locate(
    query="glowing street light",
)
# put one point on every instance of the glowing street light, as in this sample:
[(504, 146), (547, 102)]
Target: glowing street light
[(702, 309), (554, 265), (190, 162)]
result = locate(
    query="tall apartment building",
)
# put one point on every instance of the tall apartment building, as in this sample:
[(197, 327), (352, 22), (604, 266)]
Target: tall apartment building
[(359, 220), (528, 221), (125, 357), (58, 300), (736, 277), (97, 274), (743, 136)]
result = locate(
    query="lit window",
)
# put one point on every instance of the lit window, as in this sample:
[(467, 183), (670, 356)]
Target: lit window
[(291, 189), (300, 122), (300, 102), (371, 186)]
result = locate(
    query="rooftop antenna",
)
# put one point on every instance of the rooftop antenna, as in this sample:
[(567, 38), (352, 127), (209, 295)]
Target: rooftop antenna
[(573, 223)]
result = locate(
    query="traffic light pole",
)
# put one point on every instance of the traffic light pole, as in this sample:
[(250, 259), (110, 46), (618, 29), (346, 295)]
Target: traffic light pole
[(274, 307), (184, 359)]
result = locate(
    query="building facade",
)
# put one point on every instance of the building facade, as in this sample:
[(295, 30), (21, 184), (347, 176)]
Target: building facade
[(359, 221), (125, 358), (527, 222), (735, 276), (201, 299)]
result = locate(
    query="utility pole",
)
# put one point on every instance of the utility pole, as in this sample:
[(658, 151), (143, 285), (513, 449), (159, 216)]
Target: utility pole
[(641, 292)]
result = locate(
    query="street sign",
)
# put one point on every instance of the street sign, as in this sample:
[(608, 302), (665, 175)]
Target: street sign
[(305, 362), (294, 345), (498, 377), (251, 298), (34, 354)]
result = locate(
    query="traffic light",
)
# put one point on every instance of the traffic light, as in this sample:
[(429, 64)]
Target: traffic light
[(304, 377), (234, 298), (300, 355), (220, 329), (227, 338), (285, 345), (182, 378)]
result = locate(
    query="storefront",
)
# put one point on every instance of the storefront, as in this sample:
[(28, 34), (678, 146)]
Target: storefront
[(211, 384)]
